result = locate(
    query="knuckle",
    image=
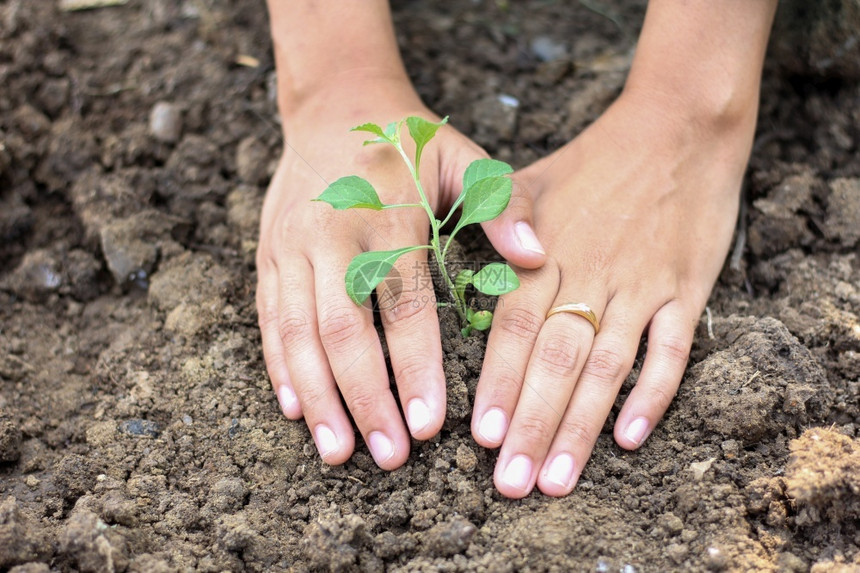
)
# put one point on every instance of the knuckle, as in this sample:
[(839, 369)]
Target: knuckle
[(520, 323), (292, 326), (535, 428), (412, 368), (362, 403), (577, 431), (275, 362), (267, 315), (659, 397), (313, 397), (674, 349), (606, 365), (557, 356), (339, 326), (402, 309), (506, 386)]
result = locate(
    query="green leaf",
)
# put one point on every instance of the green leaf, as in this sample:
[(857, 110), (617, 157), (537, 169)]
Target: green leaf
[(485, 200), (422, 131), (367, 270), (370, 128), (481, 320), (387, 135), (477, 170), (463, 279), (496, 279), (483, 168), (392, 129), (351, 192)]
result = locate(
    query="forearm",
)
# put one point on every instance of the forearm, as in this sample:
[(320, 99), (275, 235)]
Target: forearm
[(702, 59), (318, 41)]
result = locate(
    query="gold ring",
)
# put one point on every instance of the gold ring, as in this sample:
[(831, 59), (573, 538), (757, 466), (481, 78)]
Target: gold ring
[(578, 308)]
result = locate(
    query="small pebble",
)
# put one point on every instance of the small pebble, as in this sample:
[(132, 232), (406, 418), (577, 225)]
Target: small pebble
[(136, 427), (546, 49), (165, 122), (700, 468), (715, 559), (187, 420), (509, 100)]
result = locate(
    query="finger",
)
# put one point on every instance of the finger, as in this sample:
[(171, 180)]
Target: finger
[(517, 320), (512, 233), (609, 362), (355, 355), (308, 365), (556, 361), (670, 337), (273, 347), (407, 305)]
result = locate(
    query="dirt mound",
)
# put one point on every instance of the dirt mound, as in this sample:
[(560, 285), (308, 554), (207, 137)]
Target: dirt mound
[(138, 430)]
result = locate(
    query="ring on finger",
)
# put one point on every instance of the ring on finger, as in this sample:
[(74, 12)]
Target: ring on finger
[(579, 309)]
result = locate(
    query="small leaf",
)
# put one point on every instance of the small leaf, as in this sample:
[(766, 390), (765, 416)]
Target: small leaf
[(422, 131), (481, 320), (387, 135), (485, 200), (483, 168), (391, 130), (367, 270), (463, 279), (351, 192), (496, 279), (370, 128)]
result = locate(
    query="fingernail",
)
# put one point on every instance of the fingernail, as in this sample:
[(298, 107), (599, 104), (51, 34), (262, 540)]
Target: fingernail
[(326, 440), (417, 414), (493, 425), (286, 397), (518, 474), (637, 430), (527, 238), (560, 470), (381, 447)]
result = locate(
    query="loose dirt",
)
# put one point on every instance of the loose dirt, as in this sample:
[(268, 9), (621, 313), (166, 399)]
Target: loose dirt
[(138, 431)]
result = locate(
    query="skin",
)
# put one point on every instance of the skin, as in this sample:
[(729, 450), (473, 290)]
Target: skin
[(634, 217)]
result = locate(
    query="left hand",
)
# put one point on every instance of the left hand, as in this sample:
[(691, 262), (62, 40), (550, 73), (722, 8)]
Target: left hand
[(636, 215)]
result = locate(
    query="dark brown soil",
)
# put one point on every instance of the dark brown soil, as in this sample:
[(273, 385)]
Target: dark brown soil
[(138, 431)]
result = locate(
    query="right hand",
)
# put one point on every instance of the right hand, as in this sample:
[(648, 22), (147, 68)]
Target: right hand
[(317, 343)]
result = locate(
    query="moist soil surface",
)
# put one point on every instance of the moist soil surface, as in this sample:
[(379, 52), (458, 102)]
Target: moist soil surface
[(138, 430)]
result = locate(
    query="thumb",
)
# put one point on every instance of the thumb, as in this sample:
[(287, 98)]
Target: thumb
[(512, 233)]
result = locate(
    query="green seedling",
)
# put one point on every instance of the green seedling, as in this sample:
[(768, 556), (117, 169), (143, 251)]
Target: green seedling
[(486, 193)]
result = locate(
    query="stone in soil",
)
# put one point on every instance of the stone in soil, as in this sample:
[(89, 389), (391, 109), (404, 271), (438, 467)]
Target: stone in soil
[(165, 122)]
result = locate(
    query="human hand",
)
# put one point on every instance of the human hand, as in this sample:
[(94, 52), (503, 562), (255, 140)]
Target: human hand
[(637, 215), (317, 343)]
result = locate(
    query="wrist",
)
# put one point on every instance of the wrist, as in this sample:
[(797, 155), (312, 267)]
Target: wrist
[(713, 107), (353, 87), (703, 60), (323, 45)]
